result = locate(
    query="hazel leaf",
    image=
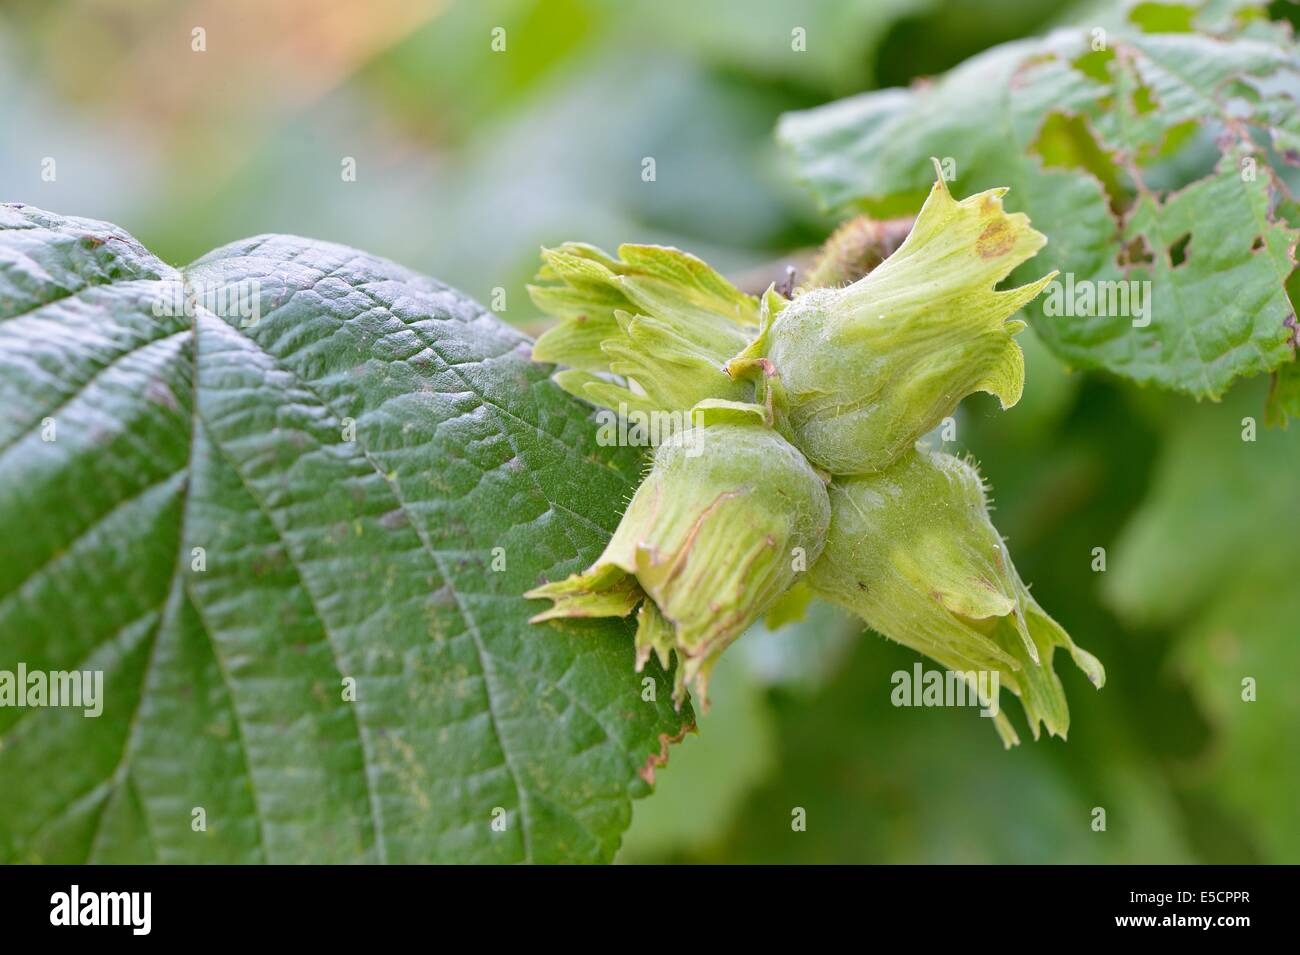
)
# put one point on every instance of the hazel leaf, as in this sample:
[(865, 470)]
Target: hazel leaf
[(1180, 289), (293, 539)]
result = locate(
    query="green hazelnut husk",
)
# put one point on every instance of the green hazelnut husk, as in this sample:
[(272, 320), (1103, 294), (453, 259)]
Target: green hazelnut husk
[(725, 522), (647, 331), (867, 369), (911, 550)]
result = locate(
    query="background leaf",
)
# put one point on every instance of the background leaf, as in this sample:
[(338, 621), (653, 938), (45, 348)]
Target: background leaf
[(1213, 553), (885, 785), (325, 558), (1083, 134)]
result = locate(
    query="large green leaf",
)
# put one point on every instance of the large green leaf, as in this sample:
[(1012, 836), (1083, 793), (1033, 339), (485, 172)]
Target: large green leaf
[(128, 438), (1082, 128)]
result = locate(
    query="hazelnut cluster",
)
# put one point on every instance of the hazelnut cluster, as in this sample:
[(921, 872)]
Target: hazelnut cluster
[(799, 468)]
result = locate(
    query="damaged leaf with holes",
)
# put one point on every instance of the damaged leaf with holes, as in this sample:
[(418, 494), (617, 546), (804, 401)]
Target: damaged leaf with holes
[(1186, 265)]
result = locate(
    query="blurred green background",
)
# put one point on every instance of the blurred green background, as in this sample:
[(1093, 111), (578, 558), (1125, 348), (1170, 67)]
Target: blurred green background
[(467, 160)]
